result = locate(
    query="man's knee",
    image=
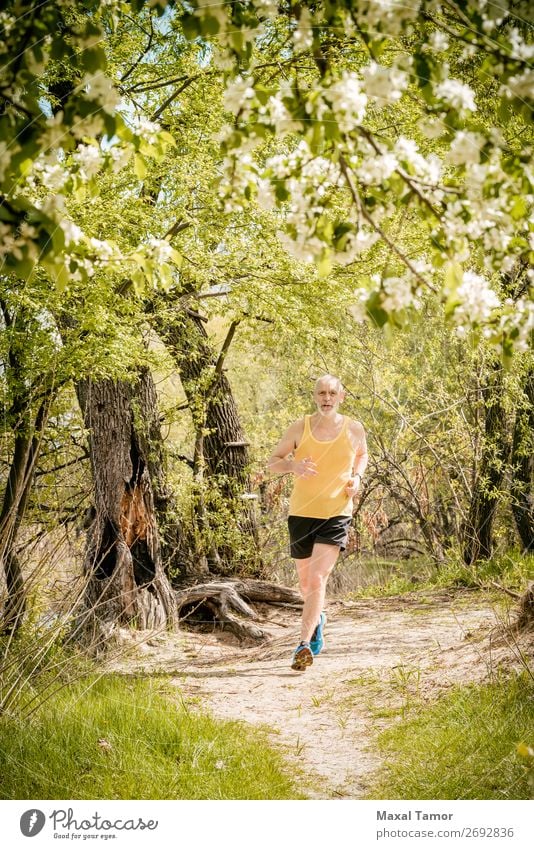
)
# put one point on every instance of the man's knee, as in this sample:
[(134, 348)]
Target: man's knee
[(317, 580)]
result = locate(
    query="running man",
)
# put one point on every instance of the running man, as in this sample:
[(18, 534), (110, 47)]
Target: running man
[(327, 454)]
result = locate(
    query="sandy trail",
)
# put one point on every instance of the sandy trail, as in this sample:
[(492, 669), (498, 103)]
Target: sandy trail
[(379, 654)]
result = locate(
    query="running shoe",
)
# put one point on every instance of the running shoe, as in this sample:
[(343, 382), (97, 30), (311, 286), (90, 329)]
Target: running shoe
[(317, 641), (302, 657)]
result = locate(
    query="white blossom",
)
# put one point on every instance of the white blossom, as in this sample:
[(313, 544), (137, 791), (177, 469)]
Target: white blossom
[(358, 309), (520, 49), (521, 85), (90, 126), (376, 169), (55, 131), (432, 128), (356, 244), (146, 129), (465, 148), (281, 117), (387, 15), (407, 151), (457, 94), (397, 294), (386, 84), (303, 35), (266, 8), (348, 101), (120, 156), (6, 154), (9, 243), (73, 233), (54, 176), (477, 300), (100, 88), (303, 248), (266, 198), (160, 249), (238, 94), (89, 159), (438, 41), (104, 250)]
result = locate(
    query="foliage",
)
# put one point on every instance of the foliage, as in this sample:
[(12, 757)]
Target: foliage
[(470, 744), (421, 107), (120, 738), (56, 140)]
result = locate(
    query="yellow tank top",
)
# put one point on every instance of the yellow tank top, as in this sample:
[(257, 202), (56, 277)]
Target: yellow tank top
[(323, 495)]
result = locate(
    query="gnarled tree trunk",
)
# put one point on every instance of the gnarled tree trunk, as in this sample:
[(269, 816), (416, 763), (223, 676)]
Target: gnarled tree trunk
[(126, 582), (28, 428), (221, 449)]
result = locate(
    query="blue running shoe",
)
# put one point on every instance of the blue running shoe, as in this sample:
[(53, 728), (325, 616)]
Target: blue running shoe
[(317, 643), (302, 657)]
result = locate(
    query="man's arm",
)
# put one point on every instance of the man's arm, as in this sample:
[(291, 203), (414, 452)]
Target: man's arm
[(357, 436), (280, 463), (361, 459)]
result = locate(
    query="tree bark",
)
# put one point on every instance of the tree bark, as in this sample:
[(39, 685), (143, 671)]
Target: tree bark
[(126, 582), (28, 428), (217, 602), (221, 456), (522, 466), (478, 533)]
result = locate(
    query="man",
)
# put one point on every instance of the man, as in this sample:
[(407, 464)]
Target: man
[(327, 454)]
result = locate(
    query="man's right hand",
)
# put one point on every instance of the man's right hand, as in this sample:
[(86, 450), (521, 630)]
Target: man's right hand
[(304, 468)]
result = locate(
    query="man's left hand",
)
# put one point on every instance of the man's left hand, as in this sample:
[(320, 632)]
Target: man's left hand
[(352, 486)]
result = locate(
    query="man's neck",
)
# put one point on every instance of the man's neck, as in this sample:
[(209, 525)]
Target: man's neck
[(328, 421)]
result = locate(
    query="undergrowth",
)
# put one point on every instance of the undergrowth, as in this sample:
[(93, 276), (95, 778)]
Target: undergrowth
[(125, 738), (474, 743)]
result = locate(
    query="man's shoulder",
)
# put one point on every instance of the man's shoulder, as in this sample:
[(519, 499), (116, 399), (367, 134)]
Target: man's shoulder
[(356, 428)]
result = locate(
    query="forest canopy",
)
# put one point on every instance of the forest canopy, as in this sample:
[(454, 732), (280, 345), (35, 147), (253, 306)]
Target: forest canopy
[(204, 207)]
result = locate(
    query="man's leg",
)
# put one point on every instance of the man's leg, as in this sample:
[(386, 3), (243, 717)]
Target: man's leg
[(316, 570), (303, 571)]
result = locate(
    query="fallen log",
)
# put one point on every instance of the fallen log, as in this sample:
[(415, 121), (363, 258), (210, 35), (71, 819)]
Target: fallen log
[(226, 604)]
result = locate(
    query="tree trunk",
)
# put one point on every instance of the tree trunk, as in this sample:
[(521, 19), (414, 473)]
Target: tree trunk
[(478, 533), (126, 582), (522, 466), (221, 450), (28, 429)]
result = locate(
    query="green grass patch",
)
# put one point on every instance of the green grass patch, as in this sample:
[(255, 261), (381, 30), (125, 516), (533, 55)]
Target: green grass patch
[(124, 738), (379, 578), (472, 743)]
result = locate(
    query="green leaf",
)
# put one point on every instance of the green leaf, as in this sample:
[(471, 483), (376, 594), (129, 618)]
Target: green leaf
[(324, 265), (376, 310), (60, 275), (140, 169), (519, 208), (453, 275)]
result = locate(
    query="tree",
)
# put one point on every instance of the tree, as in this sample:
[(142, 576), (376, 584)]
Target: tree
[(125, 577)]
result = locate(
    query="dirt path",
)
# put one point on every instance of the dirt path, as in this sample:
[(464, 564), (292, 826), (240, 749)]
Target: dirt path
[(379, 655)]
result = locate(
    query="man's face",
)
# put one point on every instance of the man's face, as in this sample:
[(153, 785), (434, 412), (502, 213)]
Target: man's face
[(328, 395)]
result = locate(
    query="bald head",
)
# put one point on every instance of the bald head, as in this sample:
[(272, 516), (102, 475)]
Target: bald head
[(328, 378), (328, 395)]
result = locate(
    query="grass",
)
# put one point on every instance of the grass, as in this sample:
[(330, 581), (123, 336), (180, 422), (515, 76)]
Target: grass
[(472, 743), (375, 577), (118, 738)]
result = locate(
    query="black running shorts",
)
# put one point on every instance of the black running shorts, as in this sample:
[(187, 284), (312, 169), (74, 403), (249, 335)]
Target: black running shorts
[(305, 531)]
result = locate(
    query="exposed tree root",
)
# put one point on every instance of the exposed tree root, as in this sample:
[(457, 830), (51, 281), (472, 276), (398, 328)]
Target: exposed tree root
[(226, 604)]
